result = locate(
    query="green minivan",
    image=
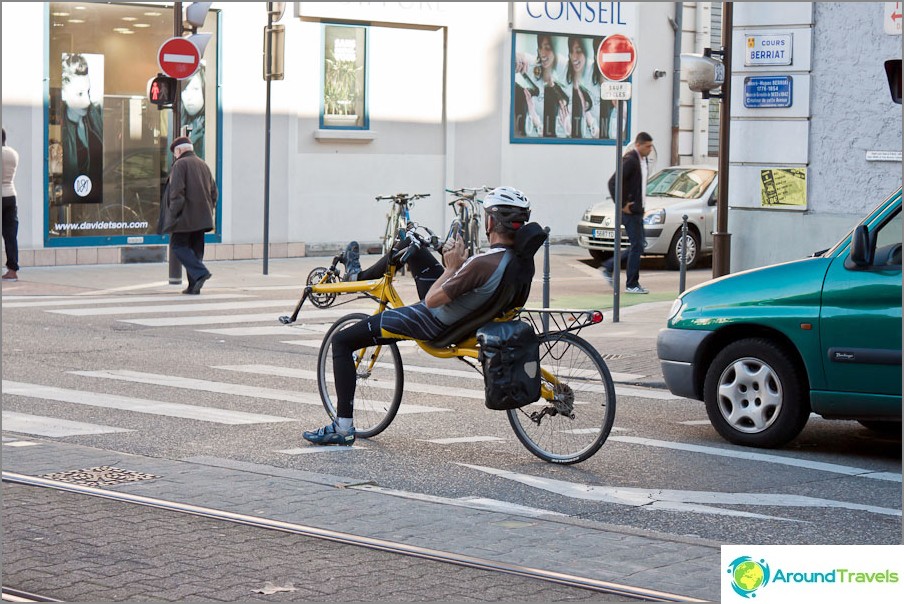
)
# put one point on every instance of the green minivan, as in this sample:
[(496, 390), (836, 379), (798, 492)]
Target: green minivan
[(766, 347)]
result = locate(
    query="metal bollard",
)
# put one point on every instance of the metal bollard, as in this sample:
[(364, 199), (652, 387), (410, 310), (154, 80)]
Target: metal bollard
[(682, 275), (546, 281)]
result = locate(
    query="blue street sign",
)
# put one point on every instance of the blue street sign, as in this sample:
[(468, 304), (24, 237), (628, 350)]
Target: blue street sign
[(767, 92)]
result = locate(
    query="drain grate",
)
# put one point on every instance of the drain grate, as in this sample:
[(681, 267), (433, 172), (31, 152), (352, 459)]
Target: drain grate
[(612, 357), (101, 476)]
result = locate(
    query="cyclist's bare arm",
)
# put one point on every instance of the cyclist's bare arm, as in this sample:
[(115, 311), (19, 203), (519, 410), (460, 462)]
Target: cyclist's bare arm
[(453, 258)]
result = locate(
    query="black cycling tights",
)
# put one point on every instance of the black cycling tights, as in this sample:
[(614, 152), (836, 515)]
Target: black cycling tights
[(345, 344), (424, 267)]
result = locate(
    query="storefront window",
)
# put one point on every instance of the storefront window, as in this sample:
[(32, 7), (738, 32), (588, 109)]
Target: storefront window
[(344, 67), (108, 146)]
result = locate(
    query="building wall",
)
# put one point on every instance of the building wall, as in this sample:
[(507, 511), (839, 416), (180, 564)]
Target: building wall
[(841, 110), (440, 98)]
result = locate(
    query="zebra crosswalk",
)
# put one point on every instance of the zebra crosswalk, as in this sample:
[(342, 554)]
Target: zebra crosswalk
[(432, 386)]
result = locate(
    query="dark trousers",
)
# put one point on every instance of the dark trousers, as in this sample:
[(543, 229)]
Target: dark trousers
[(634, 228), (425, 269), (11, 232), (189, 250)]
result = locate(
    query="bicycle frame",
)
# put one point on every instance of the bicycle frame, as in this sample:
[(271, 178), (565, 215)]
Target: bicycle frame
[(385, 294)]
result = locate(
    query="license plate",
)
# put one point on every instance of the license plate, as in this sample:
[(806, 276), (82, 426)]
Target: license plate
[(603, 234)]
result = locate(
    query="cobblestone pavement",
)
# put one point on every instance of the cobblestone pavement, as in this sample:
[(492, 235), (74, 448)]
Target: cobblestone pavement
[(104, 551)]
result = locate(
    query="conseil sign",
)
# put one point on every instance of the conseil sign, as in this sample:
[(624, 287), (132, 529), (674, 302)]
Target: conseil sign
[(590, 18)]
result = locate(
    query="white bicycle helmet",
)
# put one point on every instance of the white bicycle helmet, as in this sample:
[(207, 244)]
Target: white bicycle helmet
[(508, 206)]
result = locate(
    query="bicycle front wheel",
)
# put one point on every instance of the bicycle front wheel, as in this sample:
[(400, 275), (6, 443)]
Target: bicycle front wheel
[(379, 380), (575, 425)]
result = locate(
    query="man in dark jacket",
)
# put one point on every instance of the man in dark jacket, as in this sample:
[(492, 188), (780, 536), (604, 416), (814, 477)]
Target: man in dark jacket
[(187, 213), (634, 184)]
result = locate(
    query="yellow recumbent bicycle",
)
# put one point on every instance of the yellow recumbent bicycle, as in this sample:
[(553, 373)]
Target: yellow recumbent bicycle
[(567, 424)]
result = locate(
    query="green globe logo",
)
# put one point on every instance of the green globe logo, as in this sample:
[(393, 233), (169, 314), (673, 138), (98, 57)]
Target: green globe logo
[(748, 575)]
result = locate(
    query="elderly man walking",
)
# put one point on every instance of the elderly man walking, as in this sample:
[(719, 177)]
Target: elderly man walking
[(188, 210)]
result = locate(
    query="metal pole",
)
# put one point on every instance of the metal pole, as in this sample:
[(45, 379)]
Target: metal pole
[(175, 267), (268, 52), (721, 236), (677, 24), (682, 275), (546, 281), (619, 194)]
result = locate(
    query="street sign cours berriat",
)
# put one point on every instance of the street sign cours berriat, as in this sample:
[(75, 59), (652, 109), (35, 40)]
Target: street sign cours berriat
[(178, 58), (617, 57)]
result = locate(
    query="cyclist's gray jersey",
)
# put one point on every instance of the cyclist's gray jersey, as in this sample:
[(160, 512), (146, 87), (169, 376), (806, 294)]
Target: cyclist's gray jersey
[(473, 284)]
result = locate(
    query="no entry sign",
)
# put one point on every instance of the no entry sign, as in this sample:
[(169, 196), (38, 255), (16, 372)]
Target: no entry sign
[(178, 58), (617, 57)]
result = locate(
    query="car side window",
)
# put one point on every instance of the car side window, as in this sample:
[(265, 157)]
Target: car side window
[(888, 242)]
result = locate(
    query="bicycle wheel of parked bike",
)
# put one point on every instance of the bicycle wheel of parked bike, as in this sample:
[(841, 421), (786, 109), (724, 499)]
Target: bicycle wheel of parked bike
[(378, 386), (573, 427), (473, 239), (315, 277)]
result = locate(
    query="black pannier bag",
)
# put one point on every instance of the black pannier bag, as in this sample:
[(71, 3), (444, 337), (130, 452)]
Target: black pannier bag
[(510, 356)]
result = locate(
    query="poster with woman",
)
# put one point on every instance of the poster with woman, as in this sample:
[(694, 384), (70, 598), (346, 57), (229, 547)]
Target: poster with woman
[(82, 120), (193, 114), (556, 91)]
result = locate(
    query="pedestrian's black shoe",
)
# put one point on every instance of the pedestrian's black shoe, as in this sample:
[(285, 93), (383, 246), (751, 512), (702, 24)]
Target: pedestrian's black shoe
[(195, 289)]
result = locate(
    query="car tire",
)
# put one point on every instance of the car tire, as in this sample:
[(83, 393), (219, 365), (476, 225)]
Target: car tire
[(754, 394), (881, 427), (673, 258), (600, 255)]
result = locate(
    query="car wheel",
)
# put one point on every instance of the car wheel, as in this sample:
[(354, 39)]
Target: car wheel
[(600, 255), (881, 427), (754, 394), (673, 258)]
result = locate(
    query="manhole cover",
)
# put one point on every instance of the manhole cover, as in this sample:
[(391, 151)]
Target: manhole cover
[(101, 476)]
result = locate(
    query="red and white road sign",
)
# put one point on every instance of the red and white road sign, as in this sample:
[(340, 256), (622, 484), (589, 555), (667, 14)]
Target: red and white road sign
[(617, 57), (178, 58)]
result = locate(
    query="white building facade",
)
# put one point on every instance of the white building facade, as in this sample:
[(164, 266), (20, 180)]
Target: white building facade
[(438, 105), (441, 99)]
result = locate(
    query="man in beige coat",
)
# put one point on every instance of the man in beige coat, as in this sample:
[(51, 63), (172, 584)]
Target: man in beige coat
[(188, 211)]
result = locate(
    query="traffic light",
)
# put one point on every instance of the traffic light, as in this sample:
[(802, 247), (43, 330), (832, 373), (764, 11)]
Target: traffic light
[(703, 73), (195, 15), (162, 91)]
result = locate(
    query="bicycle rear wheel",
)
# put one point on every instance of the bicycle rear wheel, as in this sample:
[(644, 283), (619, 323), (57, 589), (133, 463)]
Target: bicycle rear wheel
[(378, 385), (574, 426)]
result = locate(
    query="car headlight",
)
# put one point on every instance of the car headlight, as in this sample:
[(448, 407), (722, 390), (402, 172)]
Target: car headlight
[(654, 217), (677, 307), (586, 217)]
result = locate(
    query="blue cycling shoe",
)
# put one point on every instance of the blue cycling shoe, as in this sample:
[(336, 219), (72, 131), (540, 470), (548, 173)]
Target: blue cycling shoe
[(330, 435)]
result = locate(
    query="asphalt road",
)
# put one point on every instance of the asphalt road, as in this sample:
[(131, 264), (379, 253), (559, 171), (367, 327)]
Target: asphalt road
[(663, 468)]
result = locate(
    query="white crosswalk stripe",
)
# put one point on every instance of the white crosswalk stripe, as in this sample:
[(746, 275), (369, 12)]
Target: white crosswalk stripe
[(138, 405), (39, 425), (72, 301), (226, 388), (271, 317), (174, 308)]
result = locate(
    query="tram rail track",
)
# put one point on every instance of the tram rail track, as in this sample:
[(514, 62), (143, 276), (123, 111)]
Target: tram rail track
[(17, 595), (383, 545)]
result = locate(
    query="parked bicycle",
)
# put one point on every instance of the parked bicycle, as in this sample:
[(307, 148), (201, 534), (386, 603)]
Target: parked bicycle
[(568, 423), (466, 220), (399, 215)]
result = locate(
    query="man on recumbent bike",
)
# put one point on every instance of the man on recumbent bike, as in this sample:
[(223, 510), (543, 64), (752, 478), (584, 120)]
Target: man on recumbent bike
[(448, 295)]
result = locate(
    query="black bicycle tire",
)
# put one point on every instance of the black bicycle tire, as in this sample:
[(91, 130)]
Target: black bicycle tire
[(608, 420), (322, 387)]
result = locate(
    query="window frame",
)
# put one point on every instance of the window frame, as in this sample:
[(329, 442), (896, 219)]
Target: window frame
[(365, 122)]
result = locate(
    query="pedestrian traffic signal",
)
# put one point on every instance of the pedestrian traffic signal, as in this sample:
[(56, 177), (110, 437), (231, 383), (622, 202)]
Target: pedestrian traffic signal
[(162, 91)]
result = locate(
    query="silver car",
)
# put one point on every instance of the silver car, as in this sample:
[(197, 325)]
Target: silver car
[(671, 193)]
